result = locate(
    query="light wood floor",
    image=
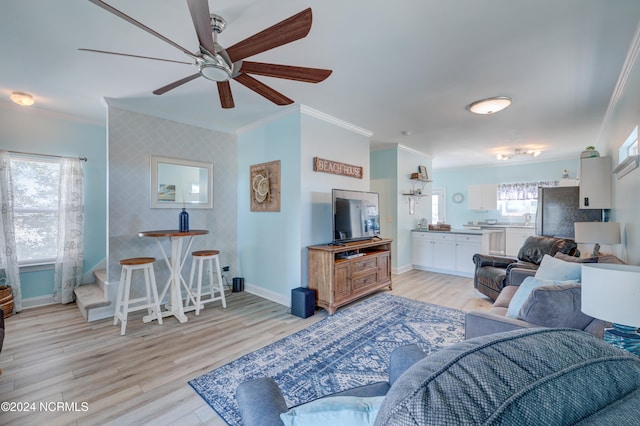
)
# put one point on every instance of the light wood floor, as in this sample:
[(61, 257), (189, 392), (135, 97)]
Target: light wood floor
[(52, 355)]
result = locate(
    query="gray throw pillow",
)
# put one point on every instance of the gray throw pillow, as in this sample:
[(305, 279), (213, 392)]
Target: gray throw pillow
[(555, 306)]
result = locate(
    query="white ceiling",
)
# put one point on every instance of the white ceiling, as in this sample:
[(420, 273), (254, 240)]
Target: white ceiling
[(407, 65)]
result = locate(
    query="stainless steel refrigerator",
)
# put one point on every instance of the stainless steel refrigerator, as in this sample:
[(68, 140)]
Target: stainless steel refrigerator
[(558, 210)]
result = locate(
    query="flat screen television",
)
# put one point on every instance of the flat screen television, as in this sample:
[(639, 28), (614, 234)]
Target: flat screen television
[(356, 215)]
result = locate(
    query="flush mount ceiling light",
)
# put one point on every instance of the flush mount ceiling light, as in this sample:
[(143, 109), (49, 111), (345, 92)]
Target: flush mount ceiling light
[(519, 153), (489, 105), (21, 98)]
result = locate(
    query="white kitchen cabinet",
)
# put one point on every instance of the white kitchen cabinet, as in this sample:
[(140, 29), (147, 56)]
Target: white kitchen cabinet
[(422, 255), (447, 252), (515, 238), (444, 251), (466, 247), (595, 183), (483, 196)]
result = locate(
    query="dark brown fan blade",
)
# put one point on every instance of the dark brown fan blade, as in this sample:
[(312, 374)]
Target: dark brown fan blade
[(263, 90), (291, 29), (202, 22), (308, 75), (175, 84), (226, 98), (140, 25), (135, 56)]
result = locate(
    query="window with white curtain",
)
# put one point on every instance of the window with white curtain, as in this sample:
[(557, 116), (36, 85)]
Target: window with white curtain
[(36, 185), (521, 198)]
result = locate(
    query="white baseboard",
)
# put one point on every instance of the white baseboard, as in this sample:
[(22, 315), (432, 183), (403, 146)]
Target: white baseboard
[(445, 271), (34, 302), (401, 269), (111, 290), (268, 294)]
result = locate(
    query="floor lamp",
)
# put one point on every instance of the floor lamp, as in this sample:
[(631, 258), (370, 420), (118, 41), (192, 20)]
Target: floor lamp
[(611, 292)]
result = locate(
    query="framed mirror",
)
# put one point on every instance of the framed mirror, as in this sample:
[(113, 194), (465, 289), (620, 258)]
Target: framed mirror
[(177, 183)]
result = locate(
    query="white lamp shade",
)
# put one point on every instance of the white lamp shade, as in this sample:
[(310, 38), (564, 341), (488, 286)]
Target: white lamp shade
[(611, 292), (490, 105), (597, 232)]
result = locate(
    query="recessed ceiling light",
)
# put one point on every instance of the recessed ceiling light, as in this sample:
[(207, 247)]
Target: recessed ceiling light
[(21, 98), (489, 105)]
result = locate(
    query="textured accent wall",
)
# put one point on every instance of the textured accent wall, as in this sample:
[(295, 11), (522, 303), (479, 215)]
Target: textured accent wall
[(132, 139)]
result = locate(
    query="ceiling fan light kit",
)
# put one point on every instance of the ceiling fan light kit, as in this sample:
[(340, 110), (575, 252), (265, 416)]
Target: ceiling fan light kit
[(489, 105), (215, 68), (519, 153), (221, 65)]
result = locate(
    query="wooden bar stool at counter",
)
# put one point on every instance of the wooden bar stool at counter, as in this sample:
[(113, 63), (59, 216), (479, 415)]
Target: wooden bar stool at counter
[(124, 301), (199, 258)]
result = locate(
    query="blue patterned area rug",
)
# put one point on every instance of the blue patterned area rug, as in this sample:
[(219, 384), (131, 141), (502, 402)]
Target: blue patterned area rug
[(348, 349)]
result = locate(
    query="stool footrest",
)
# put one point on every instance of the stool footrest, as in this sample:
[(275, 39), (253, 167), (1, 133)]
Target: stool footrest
[(140, 307)]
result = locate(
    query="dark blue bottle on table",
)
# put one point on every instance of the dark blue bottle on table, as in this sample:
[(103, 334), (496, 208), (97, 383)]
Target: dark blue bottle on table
[(184, 220)]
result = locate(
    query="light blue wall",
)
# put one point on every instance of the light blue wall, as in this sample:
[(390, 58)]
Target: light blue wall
[(458, 180), (384, 181), (331, 141), (43, 132), (269, 242), (272, 245), (133, 138), (390, 176)]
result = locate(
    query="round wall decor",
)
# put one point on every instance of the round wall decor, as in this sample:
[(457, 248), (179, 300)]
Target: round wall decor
[(457, 197)]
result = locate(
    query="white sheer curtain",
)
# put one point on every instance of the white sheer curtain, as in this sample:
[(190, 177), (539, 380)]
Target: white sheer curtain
[(68, 272), (523, 190), (8, 257)]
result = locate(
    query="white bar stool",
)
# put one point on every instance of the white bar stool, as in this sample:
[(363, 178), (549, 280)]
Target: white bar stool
[(124, 301), (199, 258)]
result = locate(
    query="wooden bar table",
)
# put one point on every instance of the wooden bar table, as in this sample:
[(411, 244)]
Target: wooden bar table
[(175, 262)]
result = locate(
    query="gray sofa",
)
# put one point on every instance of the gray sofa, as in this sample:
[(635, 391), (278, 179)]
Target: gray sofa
[(545, 307), (551, 306), (533, 376)]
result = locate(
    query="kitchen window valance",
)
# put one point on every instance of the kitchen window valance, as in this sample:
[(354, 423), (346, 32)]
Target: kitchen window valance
[(523, 190)]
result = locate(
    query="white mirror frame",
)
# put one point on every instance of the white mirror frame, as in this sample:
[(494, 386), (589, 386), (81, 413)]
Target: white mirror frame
[(180, 199)]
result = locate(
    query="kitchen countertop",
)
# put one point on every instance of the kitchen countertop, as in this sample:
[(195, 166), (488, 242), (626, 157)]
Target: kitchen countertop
[(499, 225), (457, 231)]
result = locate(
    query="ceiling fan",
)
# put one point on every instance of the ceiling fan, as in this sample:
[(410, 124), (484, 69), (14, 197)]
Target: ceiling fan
[(224, 64)]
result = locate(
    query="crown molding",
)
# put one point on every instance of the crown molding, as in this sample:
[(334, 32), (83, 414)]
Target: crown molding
[(411, 150), (630, 61), (335, 121), (285, 112), (303, 109)]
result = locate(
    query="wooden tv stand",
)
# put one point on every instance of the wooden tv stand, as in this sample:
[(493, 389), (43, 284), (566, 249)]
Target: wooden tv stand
[(338, 280)]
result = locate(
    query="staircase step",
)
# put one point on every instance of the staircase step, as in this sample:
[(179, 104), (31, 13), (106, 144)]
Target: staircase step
[(101, 277), (90, 296)]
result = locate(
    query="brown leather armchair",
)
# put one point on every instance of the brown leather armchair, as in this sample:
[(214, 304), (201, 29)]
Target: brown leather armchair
[(493, 273)]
